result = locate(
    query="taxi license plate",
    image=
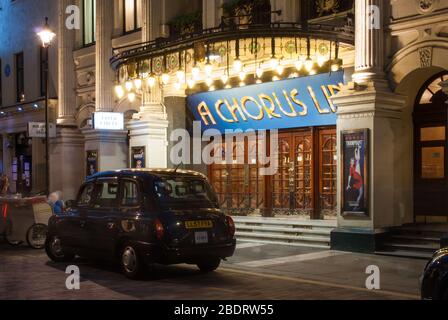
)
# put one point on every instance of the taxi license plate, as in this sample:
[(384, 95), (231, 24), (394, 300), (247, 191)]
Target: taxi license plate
[(200, 224), (201, 237)]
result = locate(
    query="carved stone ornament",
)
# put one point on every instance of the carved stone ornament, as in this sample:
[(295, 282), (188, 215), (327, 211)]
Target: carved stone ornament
[(325, 7), (425, 57), (426, 6)]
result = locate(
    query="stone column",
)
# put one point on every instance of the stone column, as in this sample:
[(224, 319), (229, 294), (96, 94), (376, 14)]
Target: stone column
[(104, 75), (66, 75), (66, 149), (368, 103), (369, 41), (148, 128)]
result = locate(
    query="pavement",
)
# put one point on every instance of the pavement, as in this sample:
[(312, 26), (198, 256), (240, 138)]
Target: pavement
[(256, 271)]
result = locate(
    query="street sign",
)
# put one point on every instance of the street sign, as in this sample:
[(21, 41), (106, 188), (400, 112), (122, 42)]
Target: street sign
[(108, 121), (37, 130)]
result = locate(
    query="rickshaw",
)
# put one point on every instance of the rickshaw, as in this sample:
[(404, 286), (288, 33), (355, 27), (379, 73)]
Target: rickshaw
[(25, 220)]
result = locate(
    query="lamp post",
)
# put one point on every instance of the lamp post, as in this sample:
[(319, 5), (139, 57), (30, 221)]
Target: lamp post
[(46, 36)]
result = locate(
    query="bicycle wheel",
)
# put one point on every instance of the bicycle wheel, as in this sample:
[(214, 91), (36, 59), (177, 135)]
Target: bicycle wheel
[(8, 233), (36, 236)]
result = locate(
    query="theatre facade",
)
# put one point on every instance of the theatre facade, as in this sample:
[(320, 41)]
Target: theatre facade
[(336, 109)]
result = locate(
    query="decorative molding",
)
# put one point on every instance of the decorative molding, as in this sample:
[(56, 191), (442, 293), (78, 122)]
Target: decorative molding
[(425, 55), (426, 6)]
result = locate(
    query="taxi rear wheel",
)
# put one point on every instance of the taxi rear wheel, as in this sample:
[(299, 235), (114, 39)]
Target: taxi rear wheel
[(131, 263), (209, 264)]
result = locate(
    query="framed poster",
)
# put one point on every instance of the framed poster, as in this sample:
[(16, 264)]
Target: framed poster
[(355, 173), (138, 157), (91, 163)]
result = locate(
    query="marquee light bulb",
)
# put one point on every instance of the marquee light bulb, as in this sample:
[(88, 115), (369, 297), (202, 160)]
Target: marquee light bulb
[(119, 91), (336, 65), (209, 82), (225, 78), (312, 72), (191, 83), (195, 71), (259, 72), (138, 84), (299, 64), (242, 84), (274, 63), (165, 78), (258, 81), (237, 65), (180, 76), (208, 69), (275, 78), (128, 85), (212, 88), (151, 81), (321, 61), (280, 69), (309, 63), (131, 96), (242, 75)]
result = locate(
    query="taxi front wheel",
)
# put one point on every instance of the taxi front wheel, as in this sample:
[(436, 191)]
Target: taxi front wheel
[(55, 251), (131, 263)]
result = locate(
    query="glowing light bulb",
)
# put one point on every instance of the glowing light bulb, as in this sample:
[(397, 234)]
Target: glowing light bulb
[(280, 69), (178, 86), (237, 65), (165, 78), (309, 64), (151, 81), (275, 78), (242, 84), (312, 72), (242, 75), (274, 63), (225, 78), (321, 61), (119, 91), (180, 76), (259, 72), (258, 81), (131, 96), (128, 85), (336, 65), (212, 88), (191, 83), (209, 82), (195, 71), (299, 64), (138, 84), (208, 69)]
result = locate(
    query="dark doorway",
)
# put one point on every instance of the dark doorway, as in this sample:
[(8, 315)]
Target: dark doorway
[(430, 150)]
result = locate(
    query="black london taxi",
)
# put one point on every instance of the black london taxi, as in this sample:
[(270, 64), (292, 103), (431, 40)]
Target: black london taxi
[(142, 217)]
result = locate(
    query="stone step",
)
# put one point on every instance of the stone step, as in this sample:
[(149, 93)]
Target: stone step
[(416, 238), (286, 230), (309, 240), (285, 243), (412, 247), (286, 222), (405, 254)]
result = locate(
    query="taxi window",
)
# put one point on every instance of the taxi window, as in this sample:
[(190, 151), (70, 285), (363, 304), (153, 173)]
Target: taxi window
[(86, 195), (107, 194)]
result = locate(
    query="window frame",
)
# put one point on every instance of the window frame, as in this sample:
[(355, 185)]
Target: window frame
[(20, 83), (108, 180), (81, 190), (136, 27), (121, 194)]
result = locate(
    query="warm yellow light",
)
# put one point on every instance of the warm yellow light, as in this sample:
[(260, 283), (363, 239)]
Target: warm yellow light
[(258, 81), (299, 64), (208, 69), (151, 81), (242, 84), (275, 78), (212, 88), (131, 96), (321, 61), (165, 78), (280, 69), (178, 86), (312, 72), (237, 65), (209, 81), (119, 91), (336, 65), (46, 36), (128, 85), (228, 86), (225, 78), (259, 72), (195, 71), (274, 63), (191, 83), (309, 64), (138, 83), (180, 76), (242, 75)]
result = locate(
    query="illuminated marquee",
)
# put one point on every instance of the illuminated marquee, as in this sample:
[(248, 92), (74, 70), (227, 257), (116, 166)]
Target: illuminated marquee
[(293, 103)]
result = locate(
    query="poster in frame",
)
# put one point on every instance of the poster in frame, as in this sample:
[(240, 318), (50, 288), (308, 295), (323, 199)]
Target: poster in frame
[(138, 157), (91, 162), (355, 173)]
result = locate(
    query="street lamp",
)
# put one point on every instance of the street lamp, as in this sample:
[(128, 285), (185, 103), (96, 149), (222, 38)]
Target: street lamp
[(46, 36)]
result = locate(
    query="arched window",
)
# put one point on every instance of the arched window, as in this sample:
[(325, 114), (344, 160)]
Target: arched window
[(428, 93)]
